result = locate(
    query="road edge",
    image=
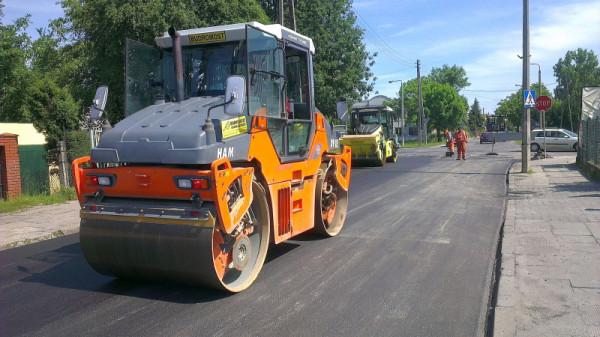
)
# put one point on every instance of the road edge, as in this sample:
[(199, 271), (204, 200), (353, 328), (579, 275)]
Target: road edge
[(56, 234), (486, 317)]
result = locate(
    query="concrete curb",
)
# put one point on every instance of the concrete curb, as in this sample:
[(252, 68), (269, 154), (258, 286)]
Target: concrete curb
[(486, 319)]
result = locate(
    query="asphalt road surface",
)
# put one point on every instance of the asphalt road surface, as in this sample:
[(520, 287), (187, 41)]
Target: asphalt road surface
[(414, 259)]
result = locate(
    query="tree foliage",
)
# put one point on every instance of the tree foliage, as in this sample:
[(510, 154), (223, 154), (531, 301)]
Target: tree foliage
[(579, 68), (53, 109), (512, 107), (444, 107), (475, 115), (101, 38), (15, 51), (442, 104), (35, 81), (342, 65), (455, 76)]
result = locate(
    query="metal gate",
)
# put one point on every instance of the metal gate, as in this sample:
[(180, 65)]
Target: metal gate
[(34, 169)]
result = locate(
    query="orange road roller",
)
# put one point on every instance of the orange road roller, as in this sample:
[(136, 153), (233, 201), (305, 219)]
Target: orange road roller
[(221, 153)]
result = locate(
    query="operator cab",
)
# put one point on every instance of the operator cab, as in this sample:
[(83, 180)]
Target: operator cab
[(274, 64), (367, 120)]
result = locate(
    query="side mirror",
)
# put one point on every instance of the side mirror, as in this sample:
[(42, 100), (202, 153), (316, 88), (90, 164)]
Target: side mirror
[(99, 103), (235, 95), (342, 110)]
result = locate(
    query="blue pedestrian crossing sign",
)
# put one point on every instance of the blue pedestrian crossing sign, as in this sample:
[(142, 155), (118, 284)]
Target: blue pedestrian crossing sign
[(529, 98)]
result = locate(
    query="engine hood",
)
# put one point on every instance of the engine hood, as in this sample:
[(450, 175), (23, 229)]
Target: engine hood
[(170, 133)]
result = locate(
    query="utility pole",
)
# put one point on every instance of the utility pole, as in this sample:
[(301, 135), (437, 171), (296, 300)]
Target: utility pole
[(526, 112), (280, 12), (404, 129), (420, 102), (402, 116), (63, 163), (292, 13)]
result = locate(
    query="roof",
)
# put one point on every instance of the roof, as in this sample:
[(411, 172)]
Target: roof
[(28, 135), (376, 102), (235, 32)]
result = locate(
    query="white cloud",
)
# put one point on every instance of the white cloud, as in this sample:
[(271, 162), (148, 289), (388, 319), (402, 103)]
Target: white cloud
[(421, 26), (385, 25), (557, 29)]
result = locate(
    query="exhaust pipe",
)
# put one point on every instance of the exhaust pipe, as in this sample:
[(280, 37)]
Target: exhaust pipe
[(178, 58)]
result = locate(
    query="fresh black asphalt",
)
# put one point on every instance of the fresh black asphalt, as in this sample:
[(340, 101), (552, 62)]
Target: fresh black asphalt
[(414, 259)]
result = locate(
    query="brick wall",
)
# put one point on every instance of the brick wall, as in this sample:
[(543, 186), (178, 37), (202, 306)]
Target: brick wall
[(9, 165)]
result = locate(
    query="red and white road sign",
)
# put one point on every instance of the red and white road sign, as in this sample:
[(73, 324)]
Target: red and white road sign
[(543, 103)]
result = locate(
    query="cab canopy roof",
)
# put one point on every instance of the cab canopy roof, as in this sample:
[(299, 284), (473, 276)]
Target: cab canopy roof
[(234, 32)]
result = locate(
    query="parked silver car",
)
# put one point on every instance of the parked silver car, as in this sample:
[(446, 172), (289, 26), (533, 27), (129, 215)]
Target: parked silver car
[(556, 140)]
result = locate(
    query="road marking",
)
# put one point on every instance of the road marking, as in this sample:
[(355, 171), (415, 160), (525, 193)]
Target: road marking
[(379, 198), (444, 225), (444, 241), (399, 219)]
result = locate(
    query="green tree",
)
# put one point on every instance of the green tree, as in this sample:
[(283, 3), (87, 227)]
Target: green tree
[(15, 51), (455, 76), (34, 83), (99, 39), (475, 115), (511, 107), (579, 68), (53, 109), (342, 65), (444, 107)]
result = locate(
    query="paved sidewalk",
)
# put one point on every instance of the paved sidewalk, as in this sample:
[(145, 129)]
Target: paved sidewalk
[(38, 223), (550, 278)]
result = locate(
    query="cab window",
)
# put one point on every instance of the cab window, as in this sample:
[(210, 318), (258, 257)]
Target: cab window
[(297, 88), (265, 73), (297, 101)]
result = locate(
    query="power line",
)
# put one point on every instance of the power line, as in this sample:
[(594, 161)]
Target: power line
[(392, 52), (490, 90)]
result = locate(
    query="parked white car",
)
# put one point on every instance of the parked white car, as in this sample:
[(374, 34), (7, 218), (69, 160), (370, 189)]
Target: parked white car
[(556, 140)]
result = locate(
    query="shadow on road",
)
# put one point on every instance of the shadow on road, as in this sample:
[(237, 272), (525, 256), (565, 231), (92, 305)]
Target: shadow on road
[(70, 270)]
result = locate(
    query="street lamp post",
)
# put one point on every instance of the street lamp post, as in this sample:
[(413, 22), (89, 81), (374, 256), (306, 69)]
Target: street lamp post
[(526, 113), (402, 108)]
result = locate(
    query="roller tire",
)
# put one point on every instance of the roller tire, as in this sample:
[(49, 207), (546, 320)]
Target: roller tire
[(394, 157), (179, 253), (246, 278), (325, 224)]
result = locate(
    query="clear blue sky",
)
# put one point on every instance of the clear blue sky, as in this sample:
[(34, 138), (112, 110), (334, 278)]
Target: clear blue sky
[(482, 36)]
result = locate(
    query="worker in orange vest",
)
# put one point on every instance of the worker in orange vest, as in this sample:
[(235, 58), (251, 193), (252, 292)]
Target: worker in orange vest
[(461, 140), (449, 142)]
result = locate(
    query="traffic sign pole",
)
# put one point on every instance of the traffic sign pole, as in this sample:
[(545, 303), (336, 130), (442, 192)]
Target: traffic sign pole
[(543, 104)]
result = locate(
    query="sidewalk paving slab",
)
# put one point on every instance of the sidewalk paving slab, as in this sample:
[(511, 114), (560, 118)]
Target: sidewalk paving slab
[(38, 223), (550, 277)]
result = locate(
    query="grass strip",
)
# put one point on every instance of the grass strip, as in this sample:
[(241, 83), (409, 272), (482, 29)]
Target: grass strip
[(26, 201)]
